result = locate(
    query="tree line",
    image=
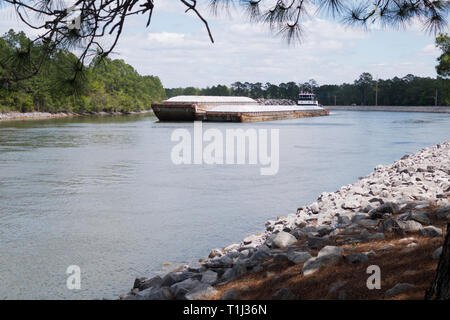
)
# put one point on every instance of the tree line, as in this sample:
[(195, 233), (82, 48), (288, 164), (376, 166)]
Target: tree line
[(103, 85), (407, 91)]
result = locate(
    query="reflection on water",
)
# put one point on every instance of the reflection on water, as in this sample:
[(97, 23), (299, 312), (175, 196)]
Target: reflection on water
[(103, 194)]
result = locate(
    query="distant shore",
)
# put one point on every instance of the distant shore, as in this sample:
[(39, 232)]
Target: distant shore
[(431, 109), (13, 116)]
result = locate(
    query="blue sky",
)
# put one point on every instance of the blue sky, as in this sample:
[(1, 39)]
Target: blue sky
[(176, 48)]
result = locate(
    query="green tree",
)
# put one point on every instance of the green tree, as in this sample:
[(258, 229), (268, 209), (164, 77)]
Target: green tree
[(443, 68)]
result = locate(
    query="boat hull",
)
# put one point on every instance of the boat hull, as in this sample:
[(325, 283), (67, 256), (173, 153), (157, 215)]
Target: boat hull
[(189, 112)]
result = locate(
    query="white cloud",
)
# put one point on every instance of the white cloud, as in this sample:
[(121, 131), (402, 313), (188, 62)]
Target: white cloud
[(430, 50), (176, 47)]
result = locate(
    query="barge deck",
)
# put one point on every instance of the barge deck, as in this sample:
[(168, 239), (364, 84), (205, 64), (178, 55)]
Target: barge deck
[(229, 109)]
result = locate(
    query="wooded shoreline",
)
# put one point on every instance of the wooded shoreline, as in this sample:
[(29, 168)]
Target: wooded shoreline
[(16, 116), (426, 109)]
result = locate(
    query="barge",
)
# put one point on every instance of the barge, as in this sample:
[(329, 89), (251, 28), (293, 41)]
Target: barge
[(234, 109)]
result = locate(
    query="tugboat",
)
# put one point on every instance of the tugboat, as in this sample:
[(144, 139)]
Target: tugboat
[(307, 99)]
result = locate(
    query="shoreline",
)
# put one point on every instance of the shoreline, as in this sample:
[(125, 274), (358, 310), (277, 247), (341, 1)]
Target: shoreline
[(425, 109), (398, 210), (21, 116)]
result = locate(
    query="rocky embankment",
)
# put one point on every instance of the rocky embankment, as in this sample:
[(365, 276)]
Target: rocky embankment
[(47, 115), (395, 214)]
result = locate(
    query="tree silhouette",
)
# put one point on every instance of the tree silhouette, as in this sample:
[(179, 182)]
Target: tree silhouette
[(84, 25)]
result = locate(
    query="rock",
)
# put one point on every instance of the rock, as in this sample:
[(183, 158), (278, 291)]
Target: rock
[(238, 269), (173, 277), (251, 238), (443, 212), (437, 253), (419, 216), (324, 230), (344, 221), (298, 257), (153, 293), (327, 256), (281, 260), (284, 294), (367, 223), (314, 208), (430, 231), (356, 258), (351, 203), (230, 247), (409, 226), (144, 283), (389, 225), (180, 289), (215, 253), (203, 291), (231, 294), (317, 242), (283, 239), (397, 289), (209, 277), (220, 262)]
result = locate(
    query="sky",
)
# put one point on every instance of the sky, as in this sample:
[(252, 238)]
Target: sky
[(176, 48)]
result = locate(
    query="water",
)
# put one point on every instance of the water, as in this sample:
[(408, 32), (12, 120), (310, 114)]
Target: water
[(103, 194)]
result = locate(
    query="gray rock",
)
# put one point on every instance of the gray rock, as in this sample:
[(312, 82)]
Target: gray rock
[(220, 262), (284, 239), (437, 253), (344, 221), (173, 277), (351, 203), (215, 253), (327, 256), (356, 258), (153, 293), (250, 239), (298, 257), (281, 259), (389, 225), (324, 230), (387, 247), (430, 231), (284, 294), (317, 242), (409, 226), (443, 212), (231, 294), (203, 291), (144, 283), (397, 289), (419, 216), (239, 269), (209, 277), (314, 208), (367, 223), (180, 289), (261, 254)]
